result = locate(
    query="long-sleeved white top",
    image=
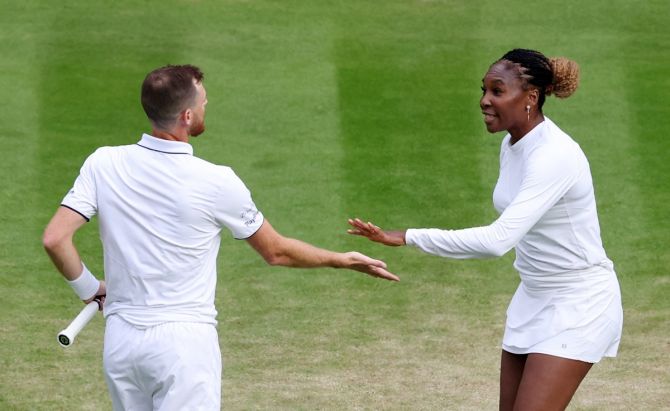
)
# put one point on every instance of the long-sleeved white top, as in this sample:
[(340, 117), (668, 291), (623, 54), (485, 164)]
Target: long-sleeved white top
[(547, 207)]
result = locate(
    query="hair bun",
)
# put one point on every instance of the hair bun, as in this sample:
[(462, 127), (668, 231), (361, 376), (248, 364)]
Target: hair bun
[(566, 77)]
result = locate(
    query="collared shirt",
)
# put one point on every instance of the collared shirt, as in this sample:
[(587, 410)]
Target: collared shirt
[(548, 211), (160, 212)]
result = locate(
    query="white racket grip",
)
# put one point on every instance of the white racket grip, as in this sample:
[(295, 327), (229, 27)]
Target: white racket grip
[(67, 336)]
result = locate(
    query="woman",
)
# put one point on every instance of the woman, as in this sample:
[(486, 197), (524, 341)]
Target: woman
[(566, 313)]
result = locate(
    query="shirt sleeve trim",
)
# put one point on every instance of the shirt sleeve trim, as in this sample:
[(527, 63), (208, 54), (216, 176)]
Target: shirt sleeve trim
[(67, 206), (255, 231)]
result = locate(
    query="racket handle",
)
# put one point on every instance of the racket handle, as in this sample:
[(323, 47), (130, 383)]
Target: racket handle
[(67, 336)]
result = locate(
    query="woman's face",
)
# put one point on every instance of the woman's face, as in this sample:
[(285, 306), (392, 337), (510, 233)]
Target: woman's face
[(504, 100)]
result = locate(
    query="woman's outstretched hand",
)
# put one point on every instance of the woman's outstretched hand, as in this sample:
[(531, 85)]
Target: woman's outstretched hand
[(376, 234)]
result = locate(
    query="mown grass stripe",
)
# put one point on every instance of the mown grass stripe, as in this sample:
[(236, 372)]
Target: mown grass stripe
[(292, 93)]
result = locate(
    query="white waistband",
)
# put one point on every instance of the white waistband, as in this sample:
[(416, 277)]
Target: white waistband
[(597, 275)]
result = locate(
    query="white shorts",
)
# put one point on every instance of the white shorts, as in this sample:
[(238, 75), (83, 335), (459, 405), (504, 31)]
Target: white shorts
[(576, 315), (171, 366)]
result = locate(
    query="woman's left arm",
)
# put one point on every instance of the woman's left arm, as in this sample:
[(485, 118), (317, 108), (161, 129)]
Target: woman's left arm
[(548, 177)]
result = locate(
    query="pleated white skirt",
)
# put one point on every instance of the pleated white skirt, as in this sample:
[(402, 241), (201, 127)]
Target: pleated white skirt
[(576, 315)]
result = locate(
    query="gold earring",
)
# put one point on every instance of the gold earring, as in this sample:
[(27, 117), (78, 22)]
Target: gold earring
[(528, 112)]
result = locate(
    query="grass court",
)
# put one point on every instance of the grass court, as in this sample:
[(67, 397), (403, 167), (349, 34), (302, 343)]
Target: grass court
[(330, 110)]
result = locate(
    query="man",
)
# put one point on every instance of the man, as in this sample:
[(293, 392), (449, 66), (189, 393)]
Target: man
[(161, 211)]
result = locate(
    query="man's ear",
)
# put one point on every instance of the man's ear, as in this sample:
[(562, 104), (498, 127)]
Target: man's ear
[(186, 116)]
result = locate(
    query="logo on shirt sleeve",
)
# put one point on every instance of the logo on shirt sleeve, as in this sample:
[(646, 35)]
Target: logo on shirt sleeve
[(249, 216)]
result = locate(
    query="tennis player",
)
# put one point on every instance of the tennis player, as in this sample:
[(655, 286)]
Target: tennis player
[(566, 314), (161, 211)]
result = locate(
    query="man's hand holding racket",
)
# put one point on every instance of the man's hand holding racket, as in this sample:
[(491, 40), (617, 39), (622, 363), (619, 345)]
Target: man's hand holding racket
[(93, 305)]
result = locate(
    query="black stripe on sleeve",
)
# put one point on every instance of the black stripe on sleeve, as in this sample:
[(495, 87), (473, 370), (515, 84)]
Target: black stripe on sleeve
[(86, 218), (252, 234)]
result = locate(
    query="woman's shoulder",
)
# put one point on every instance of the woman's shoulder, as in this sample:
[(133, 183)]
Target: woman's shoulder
[(558, 136), (554, 138), (557, 147)]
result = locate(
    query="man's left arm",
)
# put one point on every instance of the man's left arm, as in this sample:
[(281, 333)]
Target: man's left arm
[(279, 250)]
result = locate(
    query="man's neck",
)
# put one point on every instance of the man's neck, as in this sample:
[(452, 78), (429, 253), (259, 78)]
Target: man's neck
[(172, 135)]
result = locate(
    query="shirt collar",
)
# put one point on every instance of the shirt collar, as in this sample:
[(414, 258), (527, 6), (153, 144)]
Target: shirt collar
[(165, 146)]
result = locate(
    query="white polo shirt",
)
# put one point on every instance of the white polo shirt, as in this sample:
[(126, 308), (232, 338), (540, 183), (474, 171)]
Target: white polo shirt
[(160, 211)]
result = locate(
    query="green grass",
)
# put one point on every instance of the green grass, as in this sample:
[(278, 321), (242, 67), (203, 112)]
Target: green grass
[(327, 111)]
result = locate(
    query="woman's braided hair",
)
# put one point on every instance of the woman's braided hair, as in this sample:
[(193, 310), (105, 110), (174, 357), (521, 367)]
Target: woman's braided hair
[(556, 75)]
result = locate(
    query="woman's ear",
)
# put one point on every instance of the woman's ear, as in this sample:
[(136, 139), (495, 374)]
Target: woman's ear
[(533, 96)]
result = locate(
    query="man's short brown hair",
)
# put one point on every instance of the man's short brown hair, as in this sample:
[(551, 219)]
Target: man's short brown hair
[(169, 90)]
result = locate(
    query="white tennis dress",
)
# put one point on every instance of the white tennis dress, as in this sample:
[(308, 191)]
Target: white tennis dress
[(568, 303)]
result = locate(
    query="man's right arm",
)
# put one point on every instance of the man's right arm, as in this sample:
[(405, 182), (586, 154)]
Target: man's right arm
[(279, 250), (58, 243)]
